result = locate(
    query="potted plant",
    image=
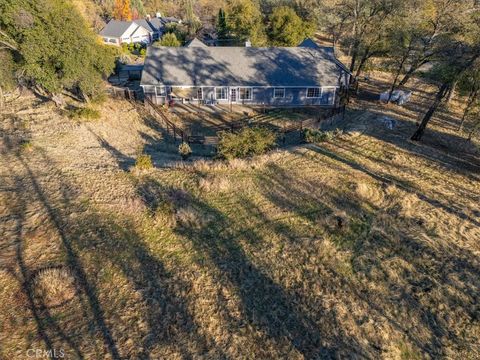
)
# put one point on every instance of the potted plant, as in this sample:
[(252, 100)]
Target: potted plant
[(184, 150)]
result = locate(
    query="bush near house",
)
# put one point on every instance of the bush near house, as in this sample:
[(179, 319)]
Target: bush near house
[(247, 142), (135, 48), (169, 39)]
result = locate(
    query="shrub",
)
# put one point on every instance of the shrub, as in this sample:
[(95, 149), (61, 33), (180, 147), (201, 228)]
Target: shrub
[(184, 150), (247, 142), (317, 136), (55, 286), (85, 113), (169, 39), (143, 162), (26, 146)]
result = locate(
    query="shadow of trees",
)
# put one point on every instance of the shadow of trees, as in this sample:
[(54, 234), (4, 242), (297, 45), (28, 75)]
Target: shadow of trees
[(91, 243)]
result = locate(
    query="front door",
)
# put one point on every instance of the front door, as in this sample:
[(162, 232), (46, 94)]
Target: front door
[(233, 95)]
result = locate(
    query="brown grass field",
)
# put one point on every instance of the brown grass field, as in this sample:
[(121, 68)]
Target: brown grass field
[(366, 246)]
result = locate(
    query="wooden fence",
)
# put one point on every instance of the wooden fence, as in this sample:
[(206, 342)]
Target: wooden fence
[(177, 134), (170, 128), (125, 93)]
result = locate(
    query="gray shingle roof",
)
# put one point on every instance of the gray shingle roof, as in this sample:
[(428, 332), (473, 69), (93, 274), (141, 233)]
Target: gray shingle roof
[(152, 25), (309, 43), (115, 28), (195, 43), (241, 66)]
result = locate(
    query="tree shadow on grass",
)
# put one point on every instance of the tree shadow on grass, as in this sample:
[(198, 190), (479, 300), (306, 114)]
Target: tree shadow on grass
[(107, 239), (394, 181), (266, 306), (420, 284)]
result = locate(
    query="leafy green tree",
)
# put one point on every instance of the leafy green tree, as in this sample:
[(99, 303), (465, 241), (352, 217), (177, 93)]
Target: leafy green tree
[(180, 31), (287, 28), (246, 21), (459, 53), (222, 27), (245, 143), (359, 25), (55, 50), (169, 39)]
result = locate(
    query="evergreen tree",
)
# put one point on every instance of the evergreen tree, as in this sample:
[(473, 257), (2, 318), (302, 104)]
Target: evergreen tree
[(287, 28), (246, 22), (222, 27), (169, 39)]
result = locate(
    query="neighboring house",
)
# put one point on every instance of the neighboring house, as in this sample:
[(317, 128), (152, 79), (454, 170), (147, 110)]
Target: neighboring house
[(279, 76), (145, 31)]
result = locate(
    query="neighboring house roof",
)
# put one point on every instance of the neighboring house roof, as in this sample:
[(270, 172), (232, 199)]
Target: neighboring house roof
[(195, 43), (169, 19), (115, 28), (140, 30), (152, 25), (242, 66), (309, 43)]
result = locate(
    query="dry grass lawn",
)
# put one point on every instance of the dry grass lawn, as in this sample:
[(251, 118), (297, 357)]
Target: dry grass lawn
[(366, 246)]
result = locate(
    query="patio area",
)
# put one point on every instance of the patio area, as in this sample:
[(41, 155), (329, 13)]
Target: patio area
[(208, 119)]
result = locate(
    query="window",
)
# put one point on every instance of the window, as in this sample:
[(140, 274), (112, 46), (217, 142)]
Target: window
[(278, 93), (221, 93), (161, 91), (328, 96), (197, 93), (113, 41), (245, 93), (313, 92)]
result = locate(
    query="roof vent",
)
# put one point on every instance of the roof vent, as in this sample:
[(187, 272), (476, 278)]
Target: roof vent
[(158, 15), (248, 43)]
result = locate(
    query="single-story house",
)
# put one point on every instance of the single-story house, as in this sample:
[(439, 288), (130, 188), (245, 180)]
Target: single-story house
[(145, 31), (305, 75)]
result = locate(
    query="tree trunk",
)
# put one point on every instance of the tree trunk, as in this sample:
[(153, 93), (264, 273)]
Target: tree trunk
[(363, 61), (411, 71), (471, 99), (354, 57), (451, 91), (397, 75), (417, 136)]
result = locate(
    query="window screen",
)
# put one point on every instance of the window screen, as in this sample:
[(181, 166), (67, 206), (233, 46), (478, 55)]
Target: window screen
[(278, 93), (221, 93), (313, 92), (245, 93)]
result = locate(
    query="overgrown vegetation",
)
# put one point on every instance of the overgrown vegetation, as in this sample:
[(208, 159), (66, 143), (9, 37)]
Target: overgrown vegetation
[(358, 248), (143, 162), (169, 39), (184, 150), (139, 49), (247, 142), (318, 136), (54, 50), (84, 113)]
